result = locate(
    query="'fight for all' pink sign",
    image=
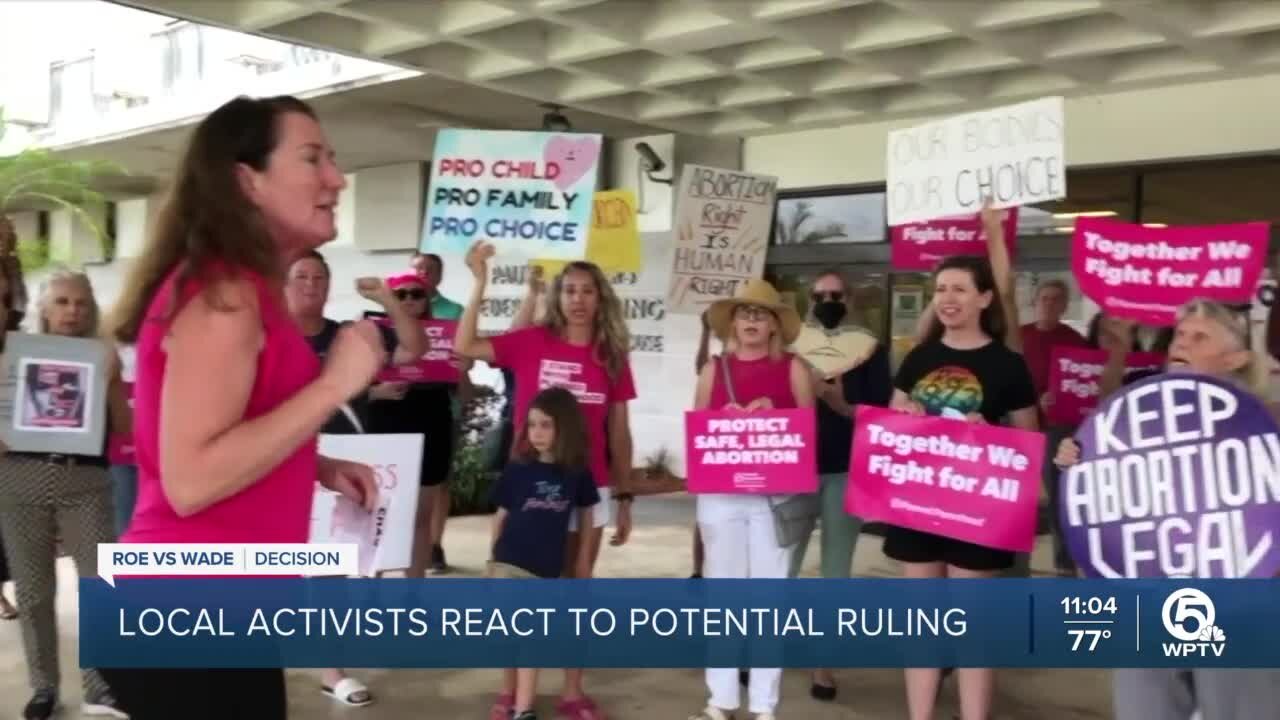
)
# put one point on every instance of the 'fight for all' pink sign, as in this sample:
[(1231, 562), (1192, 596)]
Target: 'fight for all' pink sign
[(1145, 273), (765, 452), (437, 365), (920, 246), (967, 481), (1073, 380)]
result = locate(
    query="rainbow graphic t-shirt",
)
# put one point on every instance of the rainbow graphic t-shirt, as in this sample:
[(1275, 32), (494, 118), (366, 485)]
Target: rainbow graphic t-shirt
[(991, 380)]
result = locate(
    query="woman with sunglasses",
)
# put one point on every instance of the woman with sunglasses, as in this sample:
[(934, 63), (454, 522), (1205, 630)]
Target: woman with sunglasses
[(865, 383), (418, 408), (581, 343)]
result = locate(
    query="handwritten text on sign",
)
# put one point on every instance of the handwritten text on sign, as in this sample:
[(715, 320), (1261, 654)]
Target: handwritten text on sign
[(1179, 476), (1013, 154), (1145, 274), (722, 220), (967, 481), (921, 246), (1073, 379), (437, 365), (763, 452), (527, 192), (614, 240)]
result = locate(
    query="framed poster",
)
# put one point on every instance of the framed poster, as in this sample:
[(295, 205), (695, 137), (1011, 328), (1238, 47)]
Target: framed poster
[(53, 394)]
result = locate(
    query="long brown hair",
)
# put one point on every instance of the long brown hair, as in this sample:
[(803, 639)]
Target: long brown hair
[(207, 228), (991, 320), (570, 447), (611, 341)]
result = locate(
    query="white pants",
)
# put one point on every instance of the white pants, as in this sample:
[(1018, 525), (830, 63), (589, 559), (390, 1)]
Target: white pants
[(739, 542)]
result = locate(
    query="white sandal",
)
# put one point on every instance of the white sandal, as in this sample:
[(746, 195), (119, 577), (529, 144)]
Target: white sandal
[(711, 712), (349, 691)]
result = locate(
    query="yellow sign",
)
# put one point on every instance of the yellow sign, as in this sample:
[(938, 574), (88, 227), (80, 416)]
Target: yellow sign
[(614, 240)]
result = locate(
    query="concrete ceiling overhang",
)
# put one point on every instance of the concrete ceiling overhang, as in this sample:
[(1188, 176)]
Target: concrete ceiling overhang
[(744, 67)]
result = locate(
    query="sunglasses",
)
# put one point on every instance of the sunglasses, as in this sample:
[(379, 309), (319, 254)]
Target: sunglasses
[(411, 295), (827, 296), (752, 312)]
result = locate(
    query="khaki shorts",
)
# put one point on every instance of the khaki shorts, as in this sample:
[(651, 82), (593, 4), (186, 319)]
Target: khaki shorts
[(509, 572)]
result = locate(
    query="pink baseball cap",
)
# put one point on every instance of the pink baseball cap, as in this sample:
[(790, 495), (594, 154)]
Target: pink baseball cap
[(399, 280)]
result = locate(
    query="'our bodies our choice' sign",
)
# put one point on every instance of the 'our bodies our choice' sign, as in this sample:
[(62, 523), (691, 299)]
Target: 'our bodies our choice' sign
[(1074, 373), (527, 192), (723, 219), (1012, 154), (1179, 476), (972, 482), (762, 452), (1145, 273), (921, 246)]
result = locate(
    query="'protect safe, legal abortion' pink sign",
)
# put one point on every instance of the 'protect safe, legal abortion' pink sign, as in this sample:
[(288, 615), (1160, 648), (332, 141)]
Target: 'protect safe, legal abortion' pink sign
[(763, 452), (1145, 273), (966, 481), (437, 365), (922, 245)]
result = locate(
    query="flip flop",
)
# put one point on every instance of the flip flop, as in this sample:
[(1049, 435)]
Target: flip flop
[(349, 691), (583, 708)]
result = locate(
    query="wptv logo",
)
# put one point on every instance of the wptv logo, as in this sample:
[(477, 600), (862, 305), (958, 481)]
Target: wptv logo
[(1188, 616)]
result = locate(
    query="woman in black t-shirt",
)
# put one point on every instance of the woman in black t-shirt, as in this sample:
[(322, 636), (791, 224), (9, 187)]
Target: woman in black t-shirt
[(964, 370)]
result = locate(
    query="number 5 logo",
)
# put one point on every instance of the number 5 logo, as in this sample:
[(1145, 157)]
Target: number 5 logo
[(1184, 607)]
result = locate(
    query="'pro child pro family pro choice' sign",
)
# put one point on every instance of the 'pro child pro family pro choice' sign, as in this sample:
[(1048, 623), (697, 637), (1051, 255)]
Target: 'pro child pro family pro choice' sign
[(1179, 476), (529, 193)]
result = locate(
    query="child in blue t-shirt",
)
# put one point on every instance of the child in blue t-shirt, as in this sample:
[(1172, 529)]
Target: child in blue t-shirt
[(535, 497)]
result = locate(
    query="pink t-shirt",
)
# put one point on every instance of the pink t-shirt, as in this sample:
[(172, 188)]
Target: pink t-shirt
[(754, 379), (539, 360), (276, 508)]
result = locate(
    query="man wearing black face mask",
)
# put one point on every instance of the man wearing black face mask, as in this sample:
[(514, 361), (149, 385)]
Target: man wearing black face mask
[(852, 368)]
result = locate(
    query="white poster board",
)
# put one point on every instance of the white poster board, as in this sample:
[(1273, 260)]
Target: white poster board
[(722, 225), (1013, 154), (53, 394), (385, 537)]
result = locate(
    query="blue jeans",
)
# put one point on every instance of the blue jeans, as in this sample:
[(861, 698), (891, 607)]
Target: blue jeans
[(124, 493)]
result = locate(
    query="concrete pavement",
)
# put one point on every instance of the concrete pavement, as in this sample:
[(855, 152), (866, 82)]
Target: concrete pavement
[(659, 547)]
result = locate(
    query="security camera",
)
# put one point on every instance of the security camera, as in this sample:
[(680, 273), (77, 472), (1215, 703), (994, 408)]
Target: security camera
[(649, 159)]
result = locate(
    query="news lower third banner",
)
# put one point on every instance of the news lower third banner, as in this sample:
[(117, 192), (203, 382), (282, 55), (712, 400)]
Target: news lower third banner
[(660, 623)]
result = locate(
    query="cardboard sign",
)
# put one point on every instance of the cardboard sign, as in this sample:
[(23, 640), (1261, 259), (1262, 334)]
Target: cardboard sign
[(722, 232), (921, 246), (968, 481), (614, 240), (437, 365), (1073, 379), (529, 193), (765, 452), (1145, 273), (385, 536), (1012, 154), (53, 394), (834, 352), (1179, 476)]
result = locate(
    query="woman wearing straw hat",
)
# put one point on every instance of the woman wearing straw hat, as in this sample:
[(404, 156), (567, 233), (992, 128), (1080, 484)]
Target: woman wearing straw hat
[(754, 373)]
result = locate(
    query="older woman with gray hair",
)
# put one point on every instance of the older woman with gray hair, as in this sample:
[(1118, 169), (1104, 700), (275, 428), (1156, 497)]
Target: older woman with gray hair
[(1212, 339), (46, 498)]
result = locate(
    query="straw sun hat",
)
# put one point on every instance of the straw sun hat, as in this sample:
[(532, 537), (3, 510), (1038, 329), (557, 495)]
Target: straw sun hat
[(756, 293)]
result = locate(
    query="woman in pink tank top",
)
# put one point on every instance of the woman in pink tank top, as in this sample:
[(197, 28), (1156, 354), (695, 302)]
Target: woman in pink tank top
[(229, 396), (738, 536)]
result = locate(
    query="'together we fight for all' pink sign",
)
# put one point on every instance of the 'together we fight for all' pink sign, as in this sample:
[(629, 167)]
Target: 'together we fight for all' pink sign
[(922, 245), (966, 481), (764, 452), (1145, 273), (1073, 379)]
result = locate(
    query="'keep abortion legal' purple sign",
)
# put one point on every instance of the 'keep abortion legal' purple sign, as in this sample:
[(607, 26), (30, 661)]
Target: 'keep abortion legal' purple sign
[(1179, 476)]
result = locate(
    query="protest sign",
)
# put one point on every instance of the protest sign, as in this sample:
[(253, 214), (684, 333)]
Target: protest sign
[(53, 393), (921, 246), (614, 240), (437, 365), (722, 222), (767, 452), (1146, 273), (1012, 154), (1179, 476), (527, 192), (1073, 379), (385, 536), (967, 481)]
